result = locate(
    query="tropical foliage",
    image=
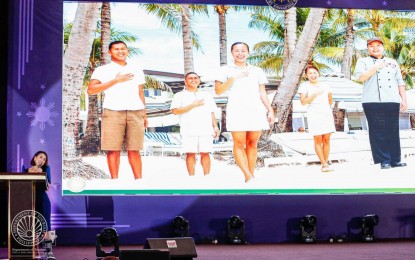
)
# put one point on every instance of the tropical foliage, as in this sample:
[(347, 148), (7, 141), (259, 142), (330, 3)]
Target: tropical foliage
[(178, 19), (296, 37), (76, 56), (396, 30), (329, 51)]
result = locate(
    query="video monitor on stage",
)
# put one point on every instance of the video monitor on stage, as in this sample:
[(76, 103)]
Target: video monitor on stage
[(165, 41)]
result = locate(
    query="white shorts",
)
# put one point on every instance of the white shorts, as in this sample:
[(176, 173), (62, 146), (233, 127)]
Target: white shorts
[(197, 144)]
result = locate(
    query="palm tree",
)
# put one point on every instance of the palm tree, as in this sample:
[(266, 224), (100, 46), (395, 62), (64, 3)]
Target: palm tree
[(348, 47), (187, 38), (400, 45), (178, 19), (302, 53), (92, 137), (344, 28), (274, 56), (105, 32), (403, 50), (222, 10), (290, 35), (337, 39), (223, 39), (283, 27), (398, 41), (269, 55), (75, 63)]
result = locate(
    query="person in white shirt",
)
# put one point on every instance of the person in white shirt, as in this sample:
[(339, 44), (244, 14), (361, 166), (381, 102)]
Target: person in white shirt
[(248, 111), (383, 98), (319, 98), (198, 125), (124, 114)]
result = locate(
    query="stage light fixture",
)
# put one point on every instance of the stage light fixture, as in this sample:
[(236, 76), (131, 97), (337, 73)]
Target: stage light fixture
[(367, 225), (236, 230), (108, 237), (180, 227), (308, 226)]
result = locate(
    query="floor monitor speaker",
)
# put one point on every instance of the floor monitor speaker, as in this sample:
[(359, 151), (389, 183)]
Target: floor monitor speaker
[(180, 248)]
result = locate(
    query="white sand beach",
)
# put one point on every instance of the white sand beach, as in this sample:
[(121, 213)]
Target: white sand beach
[(169, 173)]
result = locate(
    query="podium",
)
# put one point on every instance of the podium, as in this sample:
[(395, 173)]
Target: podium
[(26, 227)]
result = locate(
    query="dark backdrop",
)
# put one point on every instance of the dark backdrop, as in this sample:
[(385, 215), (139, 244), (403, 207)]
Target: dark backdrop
[(79, 218), (4, 12)]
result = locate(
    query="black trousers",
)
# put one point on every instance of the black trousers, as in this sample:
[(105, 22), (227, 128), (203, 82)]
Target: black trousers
[(383, 120), (43, 206)]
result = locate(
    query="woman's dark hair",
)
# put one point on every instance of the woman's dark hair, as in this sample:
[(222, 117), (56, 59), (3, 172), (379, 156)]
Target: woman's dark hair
[(311, 66), (33, 163), (236, 43)]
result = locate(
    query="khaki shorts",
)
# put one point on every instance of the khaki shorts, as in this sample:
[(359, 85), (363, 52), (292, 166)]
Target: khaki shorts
[(119, 124), (197, 144)]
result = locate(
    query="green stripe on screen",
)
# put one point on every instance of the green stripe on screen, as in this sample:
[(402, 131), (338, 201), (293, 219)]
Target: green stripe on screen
[(243, 192)]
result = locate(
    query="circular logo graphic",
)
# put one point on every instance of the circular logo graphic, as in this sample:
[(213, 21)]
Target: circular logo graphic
[(281, 4), (76, 184), (28, 228)]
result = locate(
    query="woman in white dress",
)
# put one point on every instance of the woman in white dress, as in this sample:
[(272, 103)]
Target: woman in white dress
[(320, 119), (248, 111)]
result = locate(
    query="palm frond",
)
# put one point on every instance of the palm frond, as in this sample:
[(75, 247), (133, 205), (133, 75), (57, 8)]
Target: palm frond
[(152, 82), (170, 16)]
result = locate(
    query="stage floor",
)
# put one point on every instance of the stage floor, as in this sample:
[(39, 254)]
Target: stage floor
[(395, 250)]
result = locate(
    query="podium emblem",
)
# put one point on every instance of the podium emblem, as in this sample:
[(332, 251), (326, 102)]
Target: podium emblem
[(28, 228)]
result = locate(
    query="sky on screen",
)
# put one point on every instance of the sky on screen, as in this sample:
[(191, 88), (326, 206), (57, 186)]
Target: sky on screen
[(162, 50)]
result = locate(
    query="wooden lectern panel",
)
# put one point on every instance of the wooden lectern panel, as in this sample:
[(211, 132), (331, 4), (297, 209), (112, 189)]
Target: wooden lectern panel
[(21, 208)]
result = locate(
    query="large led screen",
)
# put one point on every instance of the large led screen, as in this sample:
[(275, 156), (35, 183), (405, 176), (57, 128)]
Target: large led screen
[(287, 162)]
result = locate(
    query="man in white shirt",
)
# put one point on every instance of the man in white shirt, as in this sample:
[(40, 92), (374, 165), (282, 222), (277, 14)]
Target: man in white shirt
[(124, 114), (383, 98), (198, 125)]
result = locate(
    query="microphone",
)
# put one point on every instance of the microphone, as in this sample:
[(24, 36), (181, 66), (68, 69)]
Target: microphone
[(39, 165)]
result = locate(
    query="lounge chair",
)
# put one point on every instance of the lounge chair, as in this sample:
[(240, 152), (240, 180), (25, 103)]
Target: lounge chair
[(407, 138), (223, 146), (299, 147), (162, 140), (171, 142), (407, 143)]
